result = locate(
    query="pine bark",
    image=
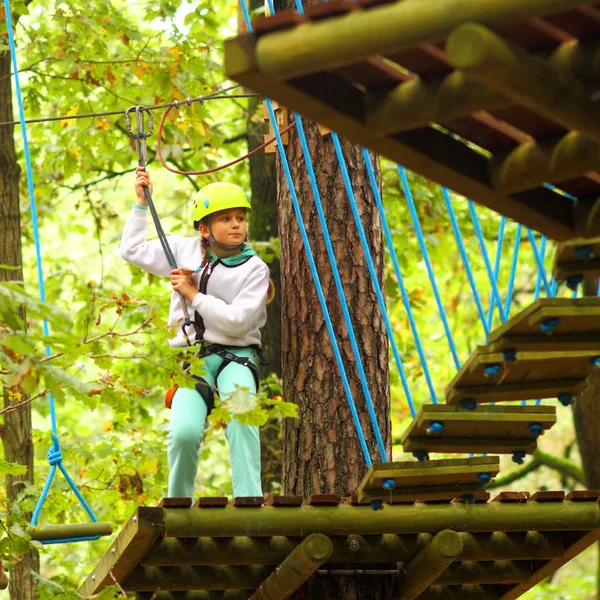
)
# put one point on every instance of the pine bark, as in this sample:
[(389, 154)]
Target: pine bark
[(16, 434), (322, 454)]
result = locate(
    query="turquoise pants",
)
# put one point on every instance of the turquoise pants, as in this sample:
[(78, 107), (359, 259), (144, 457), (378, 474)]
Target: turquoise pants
[(188, 419)]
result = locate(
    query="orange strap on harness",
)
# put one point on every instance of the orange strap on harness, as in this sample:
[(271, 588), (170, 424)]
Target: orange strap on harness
[(169, 395)]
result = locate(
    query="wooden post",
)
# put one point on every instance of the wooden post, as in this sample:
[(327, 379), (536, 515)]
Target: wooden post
[(417, 103), (487, 58), (430, 564), (581, 58), (335, 42), (305, 559), (71, 530), (281, 114), (173, 552), (533, 164)]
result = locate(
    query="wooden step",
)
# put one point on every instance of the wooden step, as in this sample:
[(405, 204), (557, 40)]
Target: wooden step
[(551, 324), (577, 259), (487, 377), (488, 429), (429, 480)]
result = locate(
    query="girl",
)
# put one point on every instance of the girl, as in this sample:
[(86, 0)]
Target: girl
[(225, 286)]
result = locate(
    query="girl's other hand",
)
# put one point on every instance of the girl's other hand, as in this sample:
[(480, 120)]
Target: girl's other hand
[(142, 180)]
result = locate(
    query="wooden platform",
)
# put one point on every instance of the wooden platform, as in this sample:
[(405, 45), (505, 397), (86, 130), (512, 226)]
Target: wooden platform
[(391, 69), (488, 429), (429, 480), (226, 552), (486, 377), (577, 258)]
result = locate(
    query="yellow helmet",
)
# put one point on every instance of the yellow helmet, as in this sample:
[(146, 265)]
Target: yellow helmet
[(218, 196)]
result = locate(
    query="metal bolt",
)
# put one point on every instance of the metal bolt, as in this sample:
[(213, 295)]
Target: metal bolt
[(113, 550), (353, 544), (135, 519), (93, 578)]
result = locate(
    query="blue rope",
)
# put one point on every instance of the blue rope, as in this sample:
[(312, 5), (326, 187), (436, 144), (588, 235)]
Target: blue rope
[(497, 269), (540, 261), (371, 267), (54, 454), (513, 267), (465, 259), (339, 286), (486, 259), (401, 285), (311, 259), (425, 254)]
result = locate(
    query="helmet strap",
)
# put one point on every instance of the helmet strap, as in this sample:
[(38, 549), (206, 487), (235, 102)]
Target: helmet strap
[(225, 247)]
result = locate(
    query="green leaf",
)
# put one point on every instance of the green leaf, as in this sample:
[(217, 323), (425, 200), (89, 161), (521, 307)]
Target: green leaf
[(7, 468)]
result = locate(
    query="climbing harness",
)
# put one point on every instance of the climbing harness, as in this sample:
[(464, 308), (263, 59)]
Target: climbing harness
[(64, 533), (140, 137)]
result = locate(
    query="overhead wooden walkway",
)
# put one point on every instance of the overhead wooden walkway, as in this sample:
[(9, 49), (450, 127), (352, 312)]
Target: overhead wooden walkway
[(494, 550), (489, 98)]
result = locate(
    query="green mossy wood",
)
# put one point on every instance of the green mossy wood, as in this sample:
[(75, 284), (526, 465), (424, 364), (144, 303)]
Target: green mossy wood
[(502, 547), (329, 67)]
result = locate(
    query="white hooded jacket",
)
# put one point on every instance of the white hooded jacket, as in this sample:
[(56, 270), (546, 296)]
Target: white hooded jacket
[(234, 306)]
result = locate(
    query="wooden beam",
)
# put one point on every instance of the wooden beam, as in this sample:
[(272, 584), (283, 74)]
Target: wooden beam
[(304, 560), (582, 58), (387, 29), (577, 544), (330, 520), (329, 99), (134, 540), (441, 592), (173, 552), (430, 564), (71, 530), (196, 595), (173, 579), (486, 573), (534, 163), (484, 56)]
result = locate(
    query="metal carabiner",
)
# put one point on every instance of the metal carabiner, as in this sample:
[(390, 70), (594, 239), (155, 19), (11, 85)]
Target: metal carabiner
[(142, 135)]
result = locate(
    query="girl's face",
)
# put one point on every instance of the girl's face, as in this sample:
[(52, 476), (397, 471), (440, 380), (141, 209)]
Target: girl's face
[(227, 226)]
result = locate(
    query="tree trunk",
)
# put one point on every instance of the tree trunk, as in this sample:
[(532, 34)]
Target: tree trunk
[(16, 435), (321, 449), (586, 414)]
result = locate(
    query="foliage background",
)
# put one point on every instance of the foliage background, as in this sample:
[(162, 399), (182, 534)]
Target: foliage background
[(101, 55)]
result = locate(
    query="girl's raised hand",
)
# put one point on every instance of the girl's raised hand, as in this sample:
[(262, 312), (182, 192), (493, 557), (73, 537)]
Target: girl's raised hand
[(142, 180)]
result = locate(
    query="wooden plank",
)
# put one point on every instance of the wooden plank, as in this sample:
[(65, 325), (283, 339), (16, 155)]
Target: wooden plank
[(532, 374), (323, 500), (137, 536), (573, 313), (515, 391), (285, 501), (511, 497), (248, 501), (175, 503), (466, 445), (332, 101), (589, 268), (535, 343), (583, 496), (490, 429), (213, 502), (557, 496), (439, 479)]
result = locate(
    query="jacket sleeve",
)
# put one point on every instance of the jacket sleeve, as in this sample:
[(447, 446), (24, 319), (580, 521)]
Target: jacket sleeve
[(239, 317), (136, 250)]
